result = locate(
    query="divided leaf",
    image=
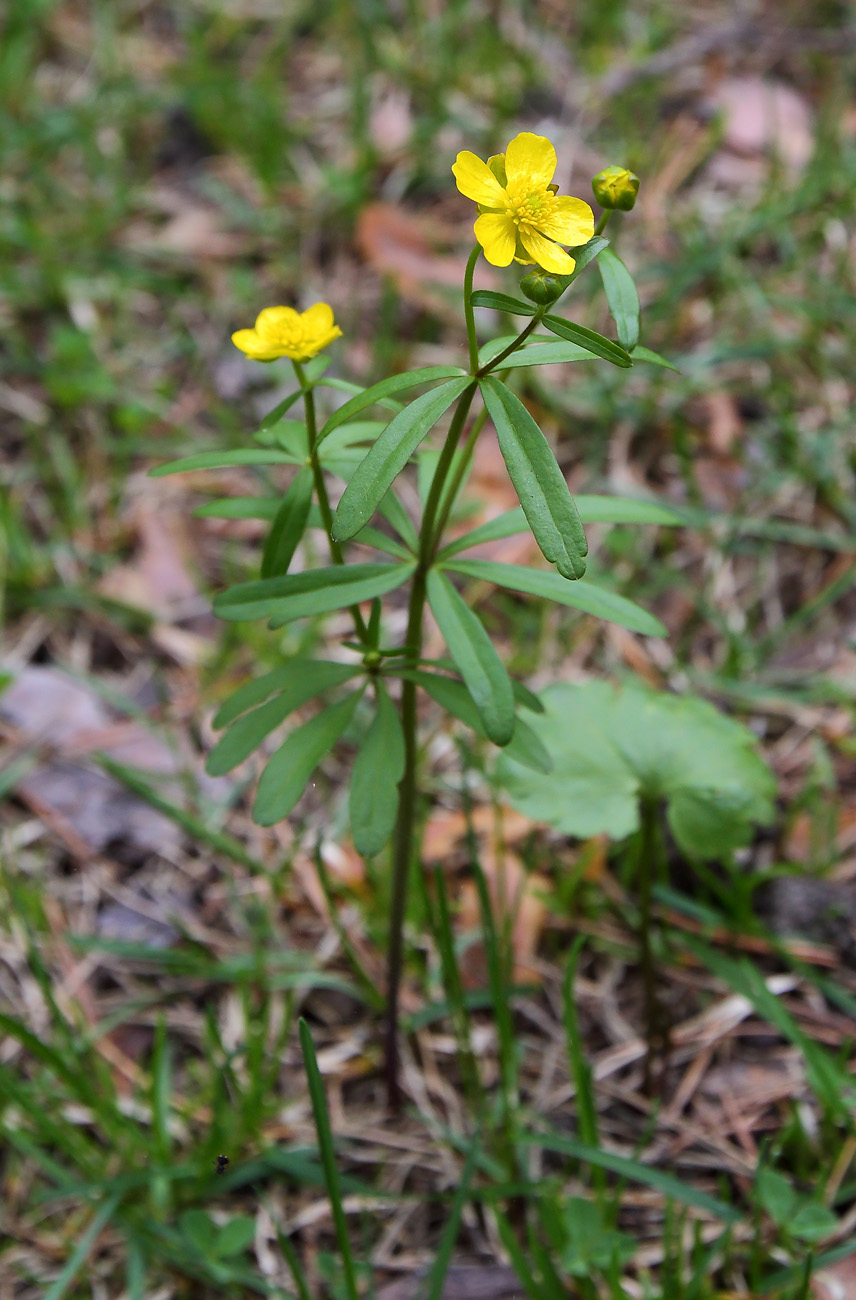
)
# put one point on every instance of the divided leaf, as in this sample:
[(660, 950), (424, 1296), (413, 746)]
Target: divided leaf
[(390, 453), (288, 526), (378, 768), (611, 747), (288, 771), (538, 481), (473, 652), (621, 297)]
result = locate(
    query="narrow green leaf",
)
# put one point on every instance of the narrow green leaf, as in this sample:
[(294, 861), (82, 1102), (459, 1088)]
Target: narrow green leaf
[(296, 595), (645, 354), (584, 256), (378, 768), (588, 339), (350, 435), (676, 1189), (245, 735), (502, 302), (320, 671), (450, 695), (223, 460), (394, 384), (621, 297), (478, 662), (538, 481), (591, 509), (279, 411), (527, 699), (369, 536), (395, 513), (539, 353), (390, 454), (284, 779), (239, 508), (579, 595), (327, 1152), (288, 526), (82, 1249), (529, 749)]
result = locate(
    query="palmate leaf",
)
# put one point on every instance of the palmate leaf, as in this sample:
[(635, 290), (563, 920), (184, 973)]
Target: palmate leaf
[(288, 526), (288, 771), (378, 768), (538, 481), (394, 384), (390, 453), (621, 296), (612, 747), (292, 686), (477, 661), (584, 596), (317, 591)]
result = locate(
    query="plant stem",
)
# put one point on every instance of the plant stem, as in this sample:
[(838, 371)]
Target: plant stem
[(405, 825), (655, 1029), (434, 521), (321, 489), (602, 221), (513, 346)]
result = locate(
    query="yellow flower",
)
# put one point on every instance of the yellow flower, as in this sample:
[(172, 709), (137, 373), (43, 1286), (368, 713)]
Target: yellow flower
[(522, 218), (284, 332)]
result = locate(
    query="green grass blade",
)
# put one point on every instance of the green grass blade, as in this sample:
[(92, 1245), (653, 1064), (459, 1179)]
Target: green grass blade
[(328, 1156), (81, 1251)]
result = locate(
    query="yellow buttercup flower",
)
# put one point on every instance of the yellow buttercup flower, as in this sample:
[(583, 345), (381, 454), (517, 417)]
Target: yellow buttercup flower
[(522, 217), (284, 332)]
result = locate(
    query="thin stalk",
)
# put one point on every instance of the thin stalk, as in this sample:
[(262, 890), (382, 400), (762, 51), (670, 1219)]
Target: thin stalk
[(469, 312), (603, 221), (433, 522), (513, 346), (321, 489), (655, 1028)]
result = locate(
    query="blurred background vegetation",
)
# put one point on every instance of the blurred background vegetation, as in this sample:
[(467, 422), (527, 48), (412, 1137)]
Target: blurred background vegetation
[(169, 167)]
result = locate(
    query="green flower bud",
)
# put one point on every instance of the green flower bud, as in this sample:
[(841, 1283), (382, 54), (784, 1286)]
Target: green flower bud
[(616, 187), (541, 287)]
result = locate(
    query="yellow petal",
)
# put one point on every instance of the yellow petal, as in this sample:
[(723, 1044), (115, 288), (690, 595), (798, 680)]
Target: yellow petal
[(572, 222), (318, 319), (250, 343), (497, 235), (271, 322), (547, 254), (475, 180), (530, 161), (312, 348)]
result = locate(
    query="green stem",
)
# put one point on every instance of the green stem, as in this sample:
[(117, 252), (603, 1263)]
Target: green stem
[(433, 522), (513, 346), (603, 220), (457, 479), (469, 313), (654, 1026), (321, 488)]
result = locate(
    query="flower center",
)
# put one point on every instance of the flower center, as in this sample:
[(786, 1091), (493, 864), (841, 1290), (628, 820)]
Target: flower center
[(530, 209)]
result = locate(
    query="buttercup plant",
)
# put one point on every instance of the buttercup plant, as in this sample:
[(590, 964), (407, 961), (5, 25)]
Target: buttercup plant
[(521, 218)]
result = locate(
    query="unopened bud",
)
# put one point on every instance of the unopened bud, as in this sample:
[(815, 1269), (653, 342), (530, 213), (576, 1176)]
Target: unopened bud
[(616, 187), (541, 287)]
